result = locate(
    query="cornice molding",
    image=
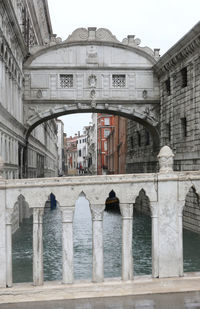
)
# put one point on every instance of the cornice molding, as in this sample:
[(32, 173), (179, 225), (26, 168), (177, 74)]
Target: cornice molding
[(15, 25), (184, 48)]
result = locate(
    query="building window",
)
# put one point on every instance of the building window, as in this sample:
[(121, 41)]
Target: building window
[(168, 86), (184, 77), (147, 137), (119, 81), (79, 153), (106, 133), (184, 127), (139, 138), (107, 121), (105, 146), (131, 141), (168, 129), (66, 80)]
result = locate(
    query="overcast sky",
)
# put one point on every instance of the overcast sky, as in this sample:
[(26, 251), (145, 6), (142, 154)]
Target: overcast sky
[(158, 23)]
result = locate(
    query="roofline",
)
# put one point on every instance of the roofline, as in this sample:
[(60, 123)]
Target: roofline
[(178, 50)]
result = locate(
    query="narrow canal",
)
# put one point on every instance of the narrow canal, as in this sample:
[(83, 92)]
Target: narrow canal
[(52, 231)]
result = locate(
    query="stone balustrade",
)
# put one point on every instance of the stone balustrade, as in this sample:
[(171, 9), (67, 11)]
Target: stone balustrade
[(166, 191)]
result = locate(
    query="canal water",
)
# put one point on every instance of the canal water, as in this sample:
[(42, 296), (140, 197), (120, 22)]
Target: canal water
[(52, 231)]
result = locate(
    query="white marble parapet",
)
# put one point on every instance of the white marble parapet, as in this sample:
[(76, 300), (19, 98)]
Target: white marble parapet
[(97, 242), (127, 231), (67, 244), (38, 246)]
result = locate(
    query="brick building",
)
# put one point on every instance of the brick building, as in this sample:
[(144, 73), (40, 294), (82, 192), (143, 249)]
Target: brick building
[(117, 144), (105, 123), (71, 155)]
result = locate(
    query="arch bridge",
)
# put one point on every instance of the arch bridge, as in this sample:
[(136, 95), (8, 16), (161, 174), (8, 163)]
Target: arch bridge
[(92, 71)]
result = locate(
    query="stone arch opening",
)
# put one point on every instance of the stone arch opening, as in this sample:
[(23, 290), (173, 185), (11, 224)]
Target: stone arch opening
[(22, 239), (82, 231), (150, 127), (191, 231), (52, 239), (142, 235), (112, 235), (112, 202)]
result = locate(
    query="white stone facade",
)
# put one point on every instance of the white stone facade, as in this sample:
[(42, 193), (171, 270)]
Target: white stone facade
[(22, 159), (91, 131), (82, 154), (60, 144)]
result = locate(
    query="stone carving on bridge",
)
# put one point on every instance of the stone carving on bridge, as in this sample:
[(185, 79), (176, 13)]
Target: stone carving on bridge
[(97, 212), (135, 42), (92, 55), (166, 160), (92, 81), (93, 34)]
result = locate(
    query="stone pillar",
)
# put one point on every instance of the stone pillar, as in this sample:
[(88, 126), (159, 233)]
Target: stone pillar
[(170, 251), (127, 236), (67, 244), (181, 205), (38, 246), (155, 245), (9, 280), (97, 242)]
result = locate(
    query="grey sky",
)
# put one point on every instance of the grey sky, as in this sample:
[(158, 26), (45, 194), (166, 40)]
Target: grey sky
[(158, 23)]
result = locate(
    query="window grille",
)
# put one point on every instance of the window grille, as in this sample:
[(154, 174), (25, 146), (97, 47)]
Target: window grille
[(184, 126), (119, 81), (184, 77), (66, 80), (168, 86)]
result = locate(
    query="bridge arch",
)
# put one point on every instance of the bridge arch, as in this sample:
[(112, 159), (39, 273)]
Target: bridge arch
[(92, 71)]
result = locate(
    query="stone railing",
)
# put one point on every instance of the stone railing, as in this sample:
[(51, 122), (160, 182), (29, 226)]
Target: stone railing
[(166, 191)]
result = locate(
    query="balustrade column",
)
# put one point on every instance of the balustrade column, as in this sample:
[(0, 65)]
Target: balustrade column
[(97, 242), (9, 280), (38, 276), (155, 244), (67, 245), (127, 235)]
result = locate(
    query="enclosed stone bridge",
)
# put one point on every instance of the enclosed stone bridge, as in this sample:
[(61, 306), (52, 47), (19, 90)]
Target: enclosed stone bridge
[(166, 191), (92, 72)]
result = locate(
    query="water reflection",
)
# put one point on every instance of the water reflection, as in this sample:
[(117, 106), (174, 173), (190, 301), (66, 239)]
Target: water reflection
[(156, 301)]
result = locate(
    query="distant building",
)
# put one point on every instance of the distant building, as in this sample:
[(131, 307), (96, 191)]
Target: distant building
[(60, 144), (71, 155), (82, 164), (116, 156), (91, 132), (105, 123)]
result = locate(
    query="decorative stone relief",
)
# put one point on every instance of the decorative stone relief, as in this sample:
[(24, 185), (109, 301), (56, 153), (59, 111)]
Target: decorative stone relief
[(92, 81), (39, 94), (166, 160), (92, 56), (126, 210), (92, 94), (97, 212), (83, 34)]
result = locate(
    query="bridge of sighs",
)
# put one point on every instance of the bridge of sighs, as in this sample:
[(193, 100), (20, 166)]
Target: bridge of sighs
[(92, 71)]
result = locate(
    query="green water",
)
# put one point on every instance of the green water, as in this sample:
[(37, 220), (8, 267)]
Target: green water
[(52, 231)]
